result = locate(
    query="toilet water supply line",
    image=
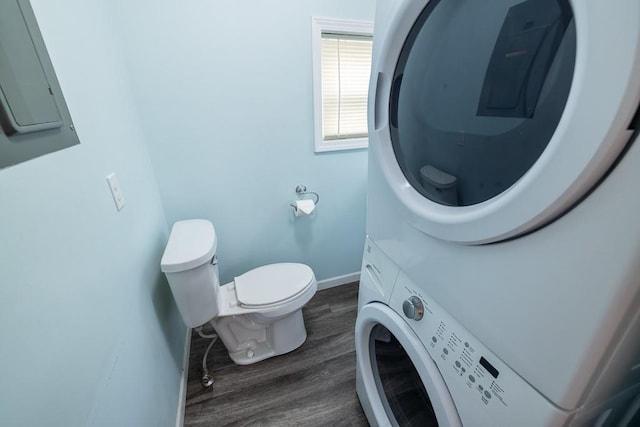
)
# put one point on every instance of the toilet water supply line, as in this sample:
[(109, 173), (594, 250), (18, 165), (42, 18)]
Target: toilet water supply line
[(207, 380)]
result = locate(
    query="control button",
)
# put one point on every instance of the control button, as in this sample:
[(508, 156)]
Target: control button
[(458, 364), (463, 370), (445, 351), (472, 378), (480, 387), (413, 308), (466, 344), (487, 394), (434, 339)]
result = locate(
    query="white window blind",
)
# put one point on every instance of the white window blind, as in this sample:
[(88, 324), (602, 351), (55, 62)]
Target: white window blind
[(346, 65)]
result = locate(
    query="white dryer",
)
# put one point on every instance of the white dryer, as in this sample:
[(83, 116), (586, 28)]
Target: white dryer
[(502, 175)]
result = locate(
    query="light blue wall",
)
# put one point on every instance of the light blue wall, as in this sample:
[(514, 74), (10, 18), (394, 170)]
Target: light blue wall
[(89, 334), (225, 91)]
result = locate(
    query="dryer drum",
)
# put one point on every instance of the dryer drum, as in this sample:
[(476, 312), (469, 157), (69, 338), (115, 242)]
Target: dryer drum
[(480, 108)]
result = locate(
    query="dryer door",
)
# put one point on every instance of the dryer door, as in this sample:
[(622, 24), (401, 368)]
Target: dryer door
[(491, 118), (399, 384)]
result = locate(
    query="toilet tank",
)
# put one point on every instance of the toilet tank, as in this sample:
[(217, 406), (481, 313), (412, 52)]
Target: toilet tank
[(189, 264)]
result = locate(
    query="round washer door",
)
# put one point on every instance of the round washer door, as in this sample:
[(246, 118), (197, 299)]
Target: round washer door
[(402, 383), (490, 119)]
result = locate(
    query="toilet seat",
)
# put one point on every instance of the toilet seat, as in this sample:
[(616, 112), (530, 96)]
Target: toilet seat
[(272, 284)]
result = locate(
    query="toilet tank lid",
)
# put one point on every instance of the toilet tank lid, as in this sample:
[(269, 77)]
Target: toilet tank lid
[(191, 243)]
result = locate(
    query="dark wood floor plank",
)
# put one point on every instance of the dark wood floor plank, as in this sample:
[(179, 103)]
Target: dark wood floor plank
[(312, 386)]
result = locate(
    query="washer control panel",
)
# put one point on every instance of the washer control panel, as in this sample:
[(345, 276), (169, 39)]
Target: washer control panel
[(464, 357), (476, 378)]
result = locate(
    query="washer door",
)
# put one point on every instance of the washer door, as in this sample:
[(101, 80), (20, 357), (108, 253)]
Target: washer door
[(401, 381), (491, 118)]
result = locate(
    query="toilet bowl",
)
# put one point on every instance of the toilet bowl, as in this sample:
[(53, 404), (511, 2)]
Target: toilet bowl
[(258, 315)]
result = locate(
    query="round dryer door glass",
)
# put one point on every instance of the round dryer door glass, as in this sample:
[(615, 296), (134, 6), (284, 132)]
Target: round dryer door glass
[(399, 385), (478, 91)]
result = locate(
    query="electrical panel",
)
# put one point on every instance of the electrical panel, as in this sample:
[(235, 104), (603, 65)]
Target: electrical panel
[(34, 119)]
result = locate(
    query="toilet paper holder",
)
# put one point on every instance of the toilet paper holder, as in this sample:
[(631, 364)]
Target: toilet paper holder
[(301, 190)]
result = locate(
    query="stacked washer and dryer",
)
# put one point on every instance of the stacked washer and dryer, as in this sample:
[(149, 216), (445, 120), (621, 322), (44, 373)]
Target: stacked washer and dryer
[(501, 275)]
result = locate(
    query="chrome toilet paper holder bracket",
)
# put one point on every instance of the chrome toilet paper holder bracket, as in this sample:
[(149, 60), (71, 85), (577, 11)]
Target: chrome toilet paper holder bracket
[(301, 190)]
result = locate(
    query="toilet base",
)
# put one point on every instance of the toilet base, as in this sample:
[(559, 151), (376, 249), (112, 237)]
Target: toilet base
[(250, 338)]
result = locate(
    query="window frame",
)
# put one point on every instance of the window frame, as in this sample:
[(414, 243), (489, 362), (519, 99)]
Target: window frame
[(338, 26)]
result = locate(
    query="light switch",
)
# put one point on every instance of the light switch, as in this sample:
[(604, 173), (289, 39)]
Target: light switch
[(116, 191)]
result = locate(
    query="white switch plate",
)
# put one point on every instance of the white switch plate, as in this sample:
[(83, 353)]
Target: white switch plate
[(116, 191)]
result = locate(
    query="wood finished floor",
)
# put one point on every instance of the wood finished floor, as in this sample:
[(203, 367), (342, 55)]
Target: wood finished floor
[(312, 386)]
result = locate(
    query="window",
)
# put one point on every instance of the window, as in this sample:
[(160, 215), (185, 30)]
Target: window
[(341, 69)]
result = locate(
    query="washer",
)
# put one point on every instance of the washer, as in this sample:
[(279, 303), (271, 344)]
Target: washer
[(417, 366), (502, 172)]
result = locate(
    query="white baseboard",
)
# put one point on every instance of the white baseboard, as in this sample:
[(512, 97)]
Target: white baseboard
[(182, 393), (338, 280)]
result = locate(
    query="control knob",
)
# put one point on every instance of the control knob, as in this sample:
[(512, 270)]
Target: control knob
[(413, 308)]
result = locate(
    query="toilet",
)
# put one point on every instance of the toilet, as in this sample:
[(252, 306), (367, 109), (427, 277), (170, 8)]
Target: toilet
[(258, 315)]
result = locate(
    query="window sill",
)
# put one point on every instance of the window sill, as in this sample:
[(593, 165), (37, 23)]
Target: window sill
[(341, 144)]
